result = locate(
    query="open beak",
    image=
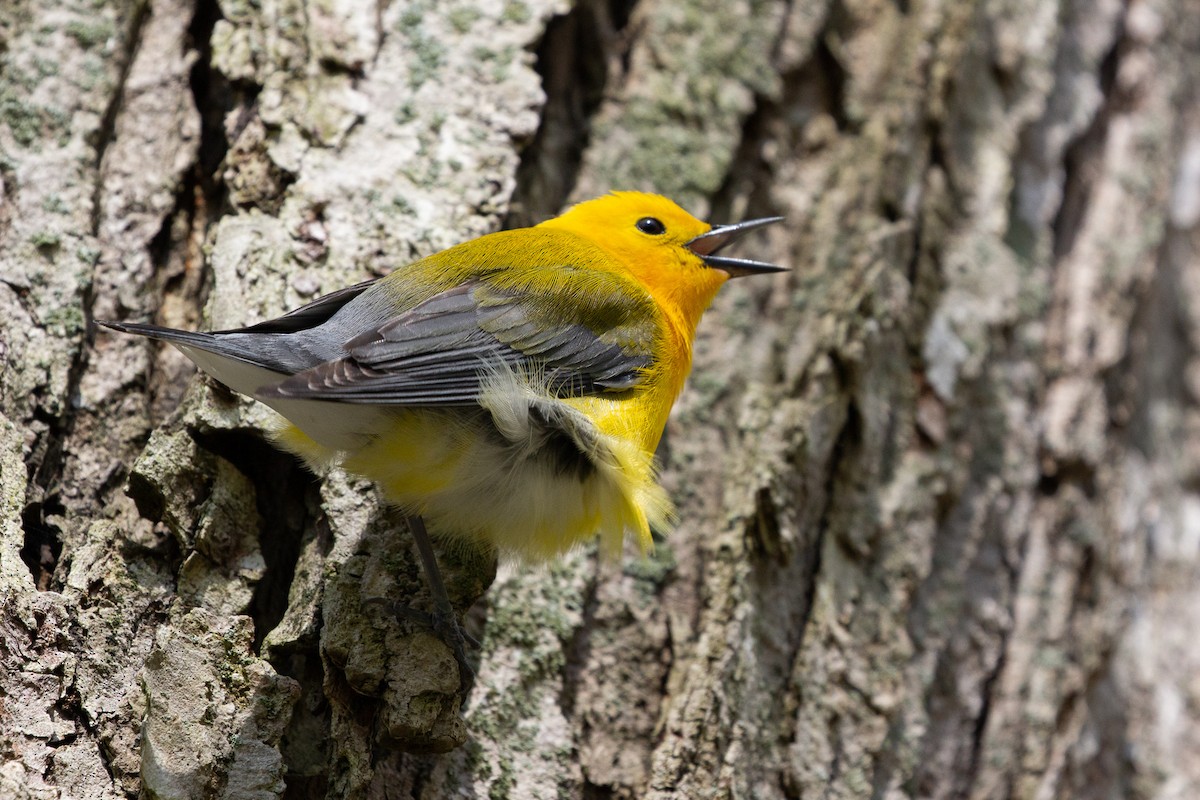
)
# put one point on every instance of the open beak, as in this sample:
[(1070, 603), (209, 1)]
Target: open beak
[(707, 245)]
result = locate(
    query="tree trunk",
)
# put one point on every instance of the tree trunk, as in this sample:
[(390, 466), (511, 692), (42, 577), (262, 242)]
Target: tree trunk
[(939, 485)]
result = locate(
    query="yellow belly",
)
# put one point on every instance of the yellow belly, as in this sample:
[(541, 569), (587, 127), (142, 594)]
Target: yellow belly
[(529, 484)]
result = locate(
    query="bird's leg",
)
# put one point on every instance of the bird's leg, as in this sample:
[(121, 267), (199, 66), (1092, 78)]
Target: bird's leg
[(442, 620)]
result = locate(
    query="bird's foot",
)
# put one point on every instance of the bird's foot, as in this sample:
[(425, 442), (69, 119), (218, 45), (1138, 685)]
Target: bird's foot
[(445, 626)]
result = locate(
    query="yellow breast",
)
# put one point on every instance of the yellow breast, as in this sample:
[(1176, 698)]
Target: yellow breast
[(526, 473)]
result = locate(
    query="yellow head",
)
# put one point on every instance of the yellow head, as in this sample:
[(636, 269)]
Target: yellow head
[(663, 247)]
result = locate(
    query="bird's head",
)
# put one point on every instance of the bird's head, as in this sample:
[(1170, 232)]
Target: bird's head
[(665, 248)]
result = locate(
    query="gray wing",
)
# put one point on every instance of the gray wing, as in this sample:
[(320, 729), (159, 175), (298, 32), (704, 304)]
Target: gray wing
[(310, 315), (439, 352)]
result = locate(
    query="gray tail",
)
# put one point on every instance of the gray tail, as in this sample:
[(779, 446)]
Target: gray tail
[(236, 346), (205, 341)]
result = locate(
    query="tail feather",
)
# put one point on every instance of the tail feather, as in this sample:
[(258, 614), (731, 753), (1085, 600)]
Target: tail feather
[(236, 360), (248, 362), (281, 353), (208, 342)]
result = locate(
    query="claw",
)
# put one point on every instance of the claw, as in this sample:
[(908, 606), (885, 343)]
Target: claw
[(442, 620), (445, 628)]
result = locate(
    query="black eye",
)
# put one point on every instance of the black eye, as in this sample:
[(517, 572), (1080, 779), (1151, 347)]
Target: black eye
[(651, 226)]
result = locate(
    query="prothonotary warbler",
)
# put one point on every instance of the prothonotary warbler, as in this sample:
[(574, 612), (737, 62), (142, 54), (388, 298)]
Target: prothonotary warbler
[(510, 390)]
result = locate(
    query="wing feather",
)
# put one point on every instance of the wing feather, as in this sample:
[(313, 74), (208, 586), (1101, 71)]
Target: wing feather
[(441, 351), (309, 315)]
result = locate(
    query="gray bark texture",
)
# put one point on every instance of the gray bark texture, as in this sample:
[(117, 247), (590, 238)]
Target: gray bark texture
[(939, 484)]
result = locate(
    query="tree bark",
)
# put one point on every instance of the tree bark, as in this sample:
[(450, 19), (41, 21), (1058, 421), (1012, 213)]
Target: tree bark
[(939, 485)]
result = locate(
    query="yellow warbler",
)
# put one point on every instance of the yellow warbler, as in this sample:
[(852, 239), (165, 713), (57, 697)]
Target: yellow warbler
[(510, 390)]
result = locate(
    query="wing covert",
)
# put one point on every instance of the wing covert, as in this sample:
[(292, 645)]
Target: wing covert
[(439, 352)]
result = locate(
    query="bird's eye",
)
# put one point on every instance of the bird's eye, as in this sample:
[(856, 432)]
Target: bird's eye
[(651, 226)]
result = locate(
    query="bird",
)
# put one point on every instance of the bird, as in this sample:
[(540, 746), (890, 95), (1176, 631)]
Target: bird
[(510, 391)]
